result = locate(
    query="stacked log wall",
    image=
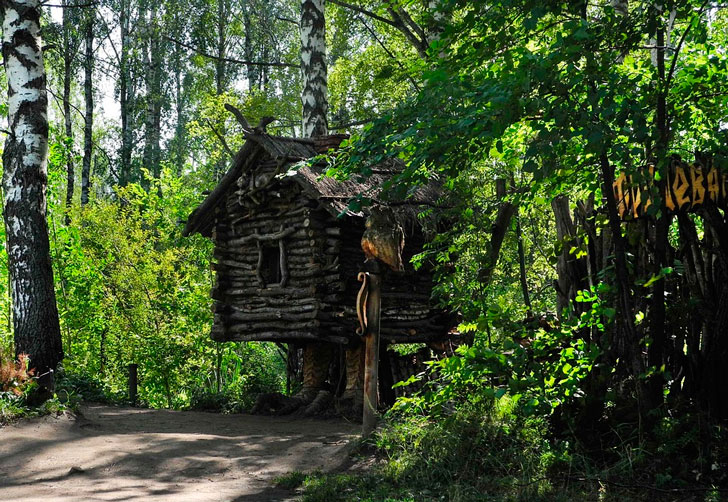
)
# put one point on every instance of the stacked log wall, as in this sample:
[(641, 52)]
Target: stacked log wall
[(323, 257), (247, 310), (408, 315)]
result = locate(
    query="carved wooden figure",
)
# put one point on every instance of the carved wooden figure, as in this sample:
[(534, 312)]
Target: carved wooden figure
[(688, 187)]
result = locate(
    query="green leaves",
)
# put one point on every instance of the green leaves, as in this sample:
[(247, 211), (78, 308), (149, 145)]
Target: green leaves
[(663, 273)]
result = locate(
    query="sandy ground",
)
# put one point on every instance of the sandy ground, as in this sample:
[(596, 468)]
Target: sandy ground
[(110, 453)]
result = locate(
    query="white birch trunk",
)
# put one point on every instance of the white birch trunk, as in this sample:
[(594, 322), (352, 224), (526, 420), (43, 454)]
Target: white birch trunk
[(313, 64), (35, 315)]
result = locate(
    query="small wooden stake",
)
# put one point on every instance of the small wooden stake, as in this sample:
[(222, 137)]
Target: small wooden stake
[(371, 340), (133, 383)]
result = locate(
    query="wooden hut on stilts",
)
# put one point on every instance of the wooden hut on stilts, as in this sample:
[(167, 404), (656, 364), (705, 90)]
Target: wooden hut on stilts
[(288, 253)]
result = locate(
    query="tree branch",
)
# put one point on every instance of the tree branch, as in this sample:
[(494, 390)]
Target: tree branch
[(409, 35), (367, 13), (389, 53), (239, 117), (221, 138), (61, 6), (679, 46), (338, 127), (230, 60), (287, 20)]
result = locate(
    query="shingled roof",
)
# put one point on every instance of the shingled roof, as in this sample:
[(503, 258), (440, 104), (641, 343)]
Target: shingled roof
[(334, 194)]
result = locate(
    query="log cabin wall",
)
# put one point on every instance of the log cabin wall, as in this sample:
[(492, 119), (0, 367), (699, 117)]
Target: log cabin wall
[(408, 315), (275, 263)]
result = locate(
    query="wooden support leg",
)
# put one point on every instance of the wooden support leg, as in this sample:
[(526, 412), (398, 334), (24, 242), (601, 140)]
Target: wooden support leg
[(371, 340), (386, 378)]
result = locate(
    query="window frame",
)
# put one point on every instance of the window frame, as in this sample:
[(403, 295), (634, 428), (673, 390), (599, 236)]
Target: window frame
[(282, 265)]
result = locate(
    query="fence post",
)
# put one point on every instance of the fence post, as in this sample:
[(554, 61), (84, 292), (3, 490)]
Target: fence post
[(133, 381)]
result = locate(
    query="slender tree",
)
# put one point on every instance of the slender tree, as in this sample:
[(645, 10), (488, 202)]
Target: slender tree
[(126, 91), (88, 92), (313, 66), (71, 43), (179, 72), (35, 315), (153, 81)]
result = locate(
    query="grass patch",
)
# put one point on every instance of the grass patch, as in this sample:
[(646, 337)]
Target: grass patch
[(12, 410), (497, 455), (290, 481)]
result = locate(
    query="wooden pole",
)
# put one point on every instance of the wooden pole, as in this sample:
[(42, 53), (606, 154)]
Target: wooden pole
[(133, 383), (371, 340)]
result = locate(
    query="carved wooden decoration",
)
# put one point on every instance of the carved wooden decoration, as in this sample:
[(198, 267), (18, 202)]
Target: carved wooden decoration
[(688, 187)]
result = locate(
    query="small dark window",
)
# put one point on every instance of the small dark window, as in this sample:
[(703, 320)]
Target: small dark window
[(270, 264)]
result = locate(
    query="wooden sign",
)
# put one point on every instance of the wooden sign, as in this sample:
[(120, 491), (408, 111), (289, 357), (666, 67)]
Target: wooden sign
[(688, 187)]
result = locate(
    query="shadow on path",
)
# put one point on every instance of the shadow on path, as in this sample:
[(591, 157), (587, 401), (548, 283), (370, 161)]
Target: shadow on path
[(110, 453)]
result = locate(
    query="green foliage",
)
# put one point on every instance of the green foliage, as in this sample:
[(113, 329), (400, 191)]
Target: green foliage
[(478, 453), (537, 369), (12, 410), (246, 370), (132, 290), (290, 481), (492, 452), (82, 387), (553, 98)]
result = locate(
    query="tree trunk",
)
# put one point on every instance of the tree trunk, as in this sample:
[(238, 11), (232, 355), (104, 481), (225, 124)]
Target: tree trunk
[(35, 315), (498, 231), (88, 119), (662, 223), (252, 71), (221, 47), (125, 97), (313, 64), (68, 53), (153, 63), (223, 12), (572, 273), (522, 266), (179, 132), (627, 340)]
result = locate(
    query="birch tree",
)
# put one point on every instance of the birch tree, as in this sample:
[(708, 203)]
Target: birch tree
[(313, 66), (35, 315)]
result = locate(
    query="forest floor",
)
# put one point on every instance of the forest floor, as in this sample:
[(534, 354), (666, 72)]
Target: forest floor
[(120, 453)]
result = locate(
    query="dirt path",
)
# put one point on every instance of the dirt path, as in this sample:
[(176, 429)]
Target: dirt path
[(111, 453)]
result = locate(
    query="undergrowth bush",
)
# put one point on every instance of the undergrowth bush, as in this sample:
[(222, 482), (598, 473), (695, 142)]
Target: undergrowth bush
[(475, 450), (20, 395), (489, 451), (81, 387), (15, 375), (498, 454)]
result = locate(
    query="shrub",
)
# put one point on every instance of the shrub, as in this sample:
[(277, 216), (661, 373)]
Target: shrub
[(15, 377)]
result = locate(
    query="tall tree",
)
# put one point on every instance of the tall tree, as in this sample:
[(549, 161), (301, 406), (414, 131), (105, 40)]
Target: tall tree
[(71, 43), (88, 92), (313, 66), (180, 72), (35, 315), (126, 91), (153, 82)]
